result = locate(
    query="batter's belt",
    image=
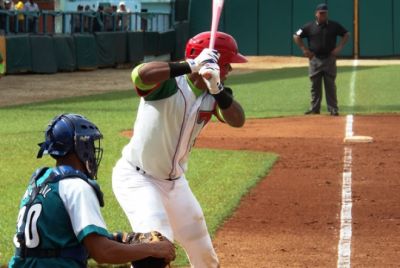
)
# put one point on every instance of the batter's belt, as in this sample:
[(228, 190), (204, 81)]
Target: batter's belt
[(141, 171)]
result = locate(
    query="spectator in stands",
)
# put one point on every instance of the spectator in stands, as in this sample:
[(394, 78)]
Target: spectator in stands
[(77, 19), (109, 19), (8, 5), (123, 18), (98, 22), (19, 6), (33, 8), (87, 19)]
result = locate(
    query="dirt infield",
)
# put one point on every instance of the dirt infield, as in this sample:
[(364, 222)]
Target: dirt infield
[(291, 219)]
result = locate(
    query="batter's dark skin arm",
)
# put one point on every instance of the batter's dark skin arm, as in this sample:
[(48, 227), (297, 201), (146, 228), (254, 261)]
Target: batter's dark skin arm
[(156, 72), (234, 115)]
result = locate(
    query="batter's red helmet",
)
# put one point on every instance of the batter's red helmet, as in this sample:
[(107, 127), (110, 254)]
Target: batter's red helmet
[(225, 44)]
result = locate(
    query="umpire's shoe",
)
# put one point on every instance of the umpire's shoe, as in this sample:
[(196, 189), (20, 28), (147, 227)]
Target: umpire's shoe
[(334, 113), (311, 112)]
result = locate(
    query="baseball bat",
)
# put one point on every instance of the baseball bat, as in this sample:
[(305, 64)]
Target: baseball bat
[(216, 14)]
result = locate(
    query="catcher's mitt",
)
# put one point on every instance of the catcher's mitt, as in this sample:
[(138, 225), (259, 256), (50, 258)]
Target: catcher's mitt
[(139, 238)]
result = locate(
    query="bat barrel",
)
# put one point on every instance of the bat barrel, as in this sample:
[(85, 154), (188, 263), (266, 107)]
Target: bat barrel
[(216, 14)]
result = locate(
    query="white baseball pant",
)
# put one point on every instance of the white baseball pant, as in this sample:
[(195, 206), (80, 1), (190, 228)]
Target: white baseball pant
[(168, 207)]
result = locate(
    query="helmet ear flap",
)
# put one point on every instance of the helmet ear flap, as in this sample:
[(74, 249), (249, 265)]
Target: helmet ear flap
[(51, 144)]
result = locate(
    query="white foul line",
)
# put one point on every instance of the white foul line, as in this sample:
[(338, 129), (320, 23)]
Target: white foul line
[(353, 84), (344, 247)]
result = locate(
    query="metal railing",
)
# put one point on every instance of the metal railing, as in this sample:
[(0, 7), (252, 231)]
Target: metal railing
[(47, 21)]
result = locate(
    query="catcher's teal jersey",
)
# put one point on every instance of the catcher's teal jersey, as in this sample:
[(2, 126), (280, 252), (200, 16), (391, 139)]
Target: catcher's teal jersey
[(61, 215)]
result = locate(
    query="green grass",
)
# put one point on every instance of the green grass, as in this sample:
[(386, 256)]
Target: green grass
[(218, 178), (286, 92)]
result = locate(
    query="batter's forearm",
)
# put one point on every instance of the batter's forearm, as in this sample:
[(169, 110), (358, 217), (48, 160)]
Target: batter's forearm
[(234, 115)]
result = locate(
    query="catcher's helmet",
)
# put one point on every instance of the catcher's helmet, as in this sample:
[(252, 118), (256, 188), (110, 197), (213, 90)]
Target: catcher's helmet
[(73, 133), (225, 44)]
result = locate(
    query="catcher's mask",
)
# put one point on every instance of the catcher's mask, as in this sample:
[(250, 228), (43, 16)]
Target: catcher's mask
[(73, 133), (225, 44)]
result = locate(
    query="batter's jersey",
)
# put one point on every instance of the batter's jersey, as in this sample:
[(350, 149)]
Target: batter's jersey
[(169, 119), (62, 215)]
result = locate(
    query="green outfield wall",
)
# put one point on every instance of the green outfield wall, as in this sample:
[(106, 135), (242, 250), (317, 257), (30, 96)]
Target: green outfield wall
[(266, 27), (33, 53)]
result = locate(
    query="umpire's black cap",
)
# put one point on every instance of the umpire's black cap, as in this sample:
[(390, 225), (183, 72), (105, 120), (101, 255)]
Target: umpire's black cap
[(322, 8)]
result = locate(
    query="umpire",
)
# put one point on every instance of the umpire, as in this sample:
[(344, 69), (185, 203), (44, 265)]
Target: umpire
[(321, 35)]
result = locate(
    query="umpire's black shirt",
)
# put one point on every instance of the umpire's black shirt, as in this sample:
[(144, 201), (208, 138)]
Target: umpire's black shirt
[(321, 37)]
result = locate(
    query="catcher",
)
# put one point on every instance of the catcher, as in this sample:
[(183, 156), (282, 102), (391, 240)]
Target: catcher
[(177, 101), (59, 222)]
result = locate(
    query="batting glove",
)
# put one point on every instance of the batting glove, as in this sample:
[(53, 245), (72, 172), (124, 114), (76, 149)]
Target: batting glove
[(206, 56), (210, 74)]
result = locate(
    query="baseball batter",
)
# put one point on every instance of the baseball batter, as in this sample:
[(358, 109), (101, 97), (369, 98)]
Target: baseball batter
[(177, 101)]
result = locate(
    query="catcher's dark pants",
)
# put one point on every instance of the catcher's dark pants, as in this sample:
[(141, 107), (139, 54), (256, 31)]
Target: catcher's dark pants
[(323, 68)]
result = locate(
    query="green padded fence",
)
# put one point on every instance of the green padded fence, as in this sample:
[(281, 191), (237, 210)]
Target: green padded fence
[(64, 50), (376, 28), (135, 47), (167, 42), (181, 10), (243, 26), (396, 27), (105, 49), (181, 38), (43, 55), (342, 11), (18, 54), (275, 30), (121, 47), (303, 12), (151, 43), (86, 51), (200, 16), (266, 27)]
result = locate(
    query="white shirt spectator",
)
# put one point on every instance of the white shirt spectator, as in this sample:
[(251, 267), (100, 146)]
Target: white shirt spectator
[(31, 6)]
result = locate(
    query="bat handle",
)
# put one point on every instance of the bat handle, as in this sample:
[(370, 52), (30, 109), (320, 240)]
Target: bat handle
[(212, 38)]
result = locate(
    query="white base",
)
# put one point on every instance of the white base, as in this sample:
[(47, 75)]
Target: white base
[(358, 139)]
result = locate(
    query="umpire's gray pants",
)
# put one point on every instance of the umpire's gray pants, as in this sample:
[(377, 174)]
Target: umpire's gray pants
[(323, 68)]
